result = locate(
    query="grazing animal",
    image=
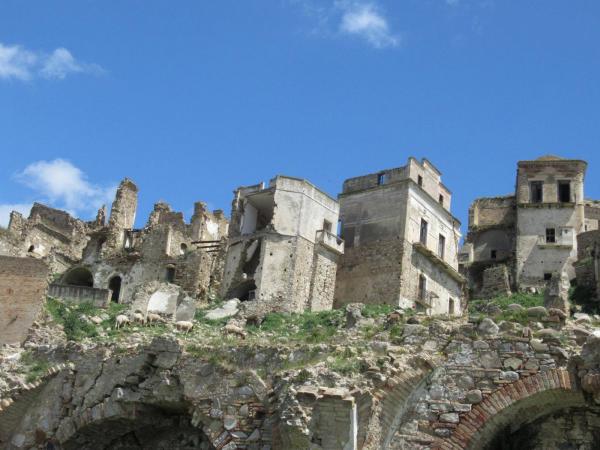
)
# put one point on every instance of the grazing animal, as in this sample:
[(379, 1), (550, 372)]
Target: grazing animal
[(154, 318), (184, 325), (138, 318), (234, 329), (121, 320)]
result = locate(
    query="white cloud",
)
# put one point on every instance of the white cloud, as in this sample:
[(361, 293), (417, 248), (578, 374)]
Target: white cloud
[(358, 18), (65, 185), (19, 63), (366, 21), (16, 62), (6, 209), (62, 185)]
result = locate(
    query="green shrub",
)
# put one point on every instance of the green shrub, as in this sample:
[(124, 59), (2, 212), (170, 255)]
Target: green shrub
[(376, 310), (69, 317), (584, 296)]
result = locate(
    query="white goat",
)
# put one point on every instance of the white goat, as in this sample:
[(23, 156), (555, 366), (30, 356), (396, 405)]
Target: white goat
[(121, 320), (184, 325)]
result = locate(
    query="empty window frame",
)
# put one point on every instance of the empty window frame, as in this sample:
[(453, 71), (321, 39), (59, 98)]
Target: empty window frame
[(441, 246), (423, 232), (420, 180), (380, 178), (564, 191), (451, 307), (536, 191), (550, 235), (327, 225), (547, 276), (493, 254), (441, 199)]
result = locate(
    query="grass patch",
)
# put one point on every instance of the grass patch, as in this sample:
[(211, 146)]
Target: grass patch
[(520, 298), (310, 327), (35, 368), (69, 316), (372, 311), (345, 365)]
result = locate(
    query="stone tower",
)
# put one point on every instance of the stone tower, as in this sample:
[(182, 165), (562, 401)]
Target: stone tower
[(122, 213)]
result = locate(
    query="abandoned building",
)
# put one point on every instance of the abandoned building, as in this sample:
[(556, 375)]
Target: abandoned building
[(587, 267), (401, 241), (119, 259), (521, 241), (282, 248), (49, 234)]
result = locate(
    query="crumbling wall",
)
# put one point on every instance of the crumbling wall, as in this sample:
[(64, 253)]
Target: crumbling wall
[(323, 280), (493, 211), (23, 283), (587, 267), (495, 282)]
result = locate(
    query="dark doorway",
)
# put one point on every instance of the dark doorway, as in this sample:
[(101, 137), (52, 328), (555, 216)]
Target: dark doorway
[(170, 274), (115, 286), (80, 276)]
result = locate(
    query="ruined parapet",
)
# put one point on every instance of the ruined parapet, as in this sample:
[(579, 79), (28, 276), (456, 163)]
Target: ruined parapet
[(495, 282), (587, 267), (16, 223), (101, 217), (207, 226), (122, 212)]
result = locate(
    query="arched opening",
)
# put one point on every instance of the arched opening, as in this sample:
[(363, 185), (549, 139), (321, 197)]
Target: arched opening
[(146, 428), (451, 307), (114, 285), (182, 249), (538, 412), (31, 249), (79, 276), (243, 291), (170, 274)]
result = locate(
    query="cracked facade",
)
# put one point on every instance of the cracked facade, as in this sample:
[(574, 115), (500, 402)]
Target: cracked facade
[(282, 250), (401, 241), (533, 233)]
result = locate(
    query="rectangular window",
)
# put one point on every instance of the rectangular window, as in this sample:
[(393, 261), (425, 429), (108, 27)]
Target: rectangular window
[(493, 254), (422, 287), (381, 179), (327, 225), (564, 191), (420, 180), (550, 235), (423, 235), (441, 246), (536, 191), (547, 276), (441, 199)]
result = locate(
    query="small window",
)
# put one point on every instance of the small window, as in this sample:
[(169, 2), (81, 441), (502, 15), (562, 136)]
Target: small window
[(441, 199), (182, 249), (381, 179), (537, 192), (450, 307), (31, 249), (422, 287), (564, 191), (550, 235), (423, 235), (547, 276), (327, 225), (420, 180), (441, 246), (494, 254)]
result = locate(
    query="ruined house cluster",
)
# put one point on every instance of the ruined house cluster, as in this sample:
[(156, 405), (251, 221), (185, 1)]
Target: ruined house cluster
[(547, 229), (390, 237)]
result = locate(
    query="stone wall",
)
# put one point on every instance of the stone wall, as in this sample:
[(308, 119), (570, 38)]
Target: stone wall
[(23, 283), (495, 282), (493, 211), (80, 294)]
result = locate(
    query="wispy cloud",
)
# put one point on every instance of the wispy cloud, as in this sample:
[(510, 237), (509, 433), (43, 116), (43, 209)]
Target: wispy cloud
[(366, 21), (363, 19), (62, 185), (19, 63)]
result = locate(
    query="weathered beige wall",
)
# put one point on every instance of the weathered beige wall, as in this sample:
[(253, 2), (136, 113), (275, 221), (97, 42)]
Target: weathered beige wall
[(23, 283)]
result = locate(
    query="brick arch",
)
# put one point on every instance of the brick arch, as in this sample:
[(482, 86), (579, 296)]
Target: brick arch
[(514, 405)]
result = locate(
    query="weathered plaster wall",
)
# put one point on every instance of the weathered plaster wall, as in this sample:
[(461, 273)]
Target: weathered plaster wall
[(23, 283)]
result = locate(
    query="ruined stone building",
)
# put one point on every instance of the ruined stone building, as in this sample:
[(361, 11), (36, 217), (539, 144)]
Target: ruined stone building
[(282, 248), (401, 241), (587, 267), (521, 241), (48, 234), (121, 259)]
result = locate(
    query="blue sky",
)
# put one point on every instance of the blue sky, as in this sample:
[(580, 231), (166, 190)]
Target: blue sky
[(193, 98)]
